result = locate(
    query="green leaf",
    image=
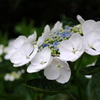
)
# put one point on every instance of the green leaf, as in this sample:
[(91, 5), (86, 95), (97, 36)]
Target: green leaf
[(94, 87), (44, 86), (98, 61), (90, 70)]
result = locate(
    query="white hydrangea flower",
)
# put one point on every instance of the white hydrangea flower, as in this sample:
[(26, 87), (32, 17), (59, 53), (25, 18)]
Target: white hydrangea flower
[(72, 49), (9, 50), (16, 44), (1, 49), (13, 75), (91, 42), (24, 54), (90, 25), (40, 61), (22, 39), (58, 70), (9, 77)]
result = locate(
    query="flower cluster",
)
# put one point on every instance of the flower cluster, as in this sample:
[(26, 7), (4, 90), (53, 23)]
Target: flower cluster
[(13, 75), (55, 47)]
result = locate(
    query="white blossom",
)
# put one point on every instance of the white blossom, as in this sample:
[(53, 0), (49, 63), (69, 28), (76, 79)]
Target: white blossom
[(89, 26), (1, 49), (58, 70), (40, 61), (72, 49), (15, 45), (12, 76), (24, 54), (91, 42)]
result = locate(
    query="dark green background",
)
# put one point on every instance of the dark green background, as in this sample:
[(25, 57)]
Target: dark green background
[(45, 11)]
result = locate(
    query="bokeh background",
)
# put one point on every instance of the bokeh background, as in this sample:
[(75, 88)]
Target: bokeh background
[(44, 12)]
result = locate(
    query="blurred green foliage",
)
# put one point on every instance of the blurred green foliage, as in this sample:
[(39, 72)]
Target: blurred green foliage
[(13, 12)]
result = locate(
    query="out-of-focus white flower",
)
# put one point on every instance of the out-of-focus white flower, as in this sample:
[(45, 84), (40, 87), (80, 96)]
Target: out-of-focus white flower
[(24, 54), (91, 42), (1, 49), (16, 44), (9, 77), (72, 49), (40, 61), (12, 76), (89, 76), (9, 50), (58, 70)]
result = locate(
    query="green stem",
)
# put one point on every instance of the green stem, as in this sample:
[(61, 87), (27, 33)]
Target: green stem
[(74, 72), (77, 68), (71, 95)]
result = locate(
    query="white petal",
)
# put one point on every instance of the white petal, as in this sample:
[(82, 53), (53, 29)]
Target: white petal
[(10, 51), (17, 57), (26, 49), (52, 72), (65, 46), (40, 41), (6, 77), (80, 19), (32, 37), (57, 26), (88, 76), (97, 26), (37, 67), (31, 69), (19, 41), (26, 60), (43, 56), (91, 52), (46, 31), (76, 40), (78, 54), (67, 56), (90, 37), (64, 75), (42, 59), (87, 26), (11, 78), (96, 45)]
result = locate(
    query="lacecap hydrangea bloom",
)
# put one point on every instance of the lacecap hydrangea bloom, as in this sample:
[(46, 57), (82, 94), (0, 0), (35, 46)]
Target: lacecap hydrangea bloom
[(91, 35), (56, 47)]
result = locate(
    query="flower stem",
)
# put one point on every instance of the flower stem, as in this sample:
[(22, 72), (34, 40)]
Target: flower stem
[(74, 74)]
